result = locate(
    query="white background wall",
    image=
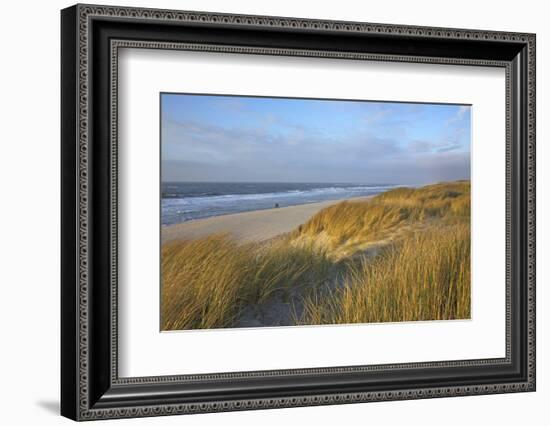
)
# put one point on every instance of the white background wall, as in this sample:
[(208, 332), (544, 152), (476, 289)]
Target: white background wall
[(29, 225)]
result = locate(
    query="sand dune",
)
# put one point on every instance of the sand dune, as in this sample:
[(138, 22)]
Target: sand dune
[(259, 225)]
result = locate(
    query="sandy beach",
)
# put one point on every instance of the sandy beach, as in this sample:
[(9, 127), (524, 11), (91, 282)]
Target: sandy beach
[(259, 225)]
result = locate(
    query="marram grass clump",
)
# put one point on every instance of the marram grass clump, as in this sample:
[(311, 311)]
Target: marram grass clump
[(425, 276), (349, 226), (207, 282)]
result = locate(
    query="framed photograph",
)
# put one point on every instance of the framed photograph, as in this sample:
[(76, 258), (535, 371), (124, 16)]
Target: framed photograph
[(263, 212)]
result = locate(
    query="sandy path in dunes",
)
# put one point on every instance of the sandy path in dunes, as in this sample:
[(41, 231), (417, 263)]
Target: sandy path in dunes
[(256, 225)]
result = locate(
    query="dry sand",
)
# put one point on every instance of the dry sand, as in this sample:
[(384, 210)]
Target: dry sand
[(258, 225)]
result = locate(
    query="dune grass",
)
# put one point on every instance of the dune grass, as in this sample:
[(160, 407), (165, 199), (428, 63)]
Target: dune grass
[(352, 225), (425, 276), (207, 282), (421, 272)]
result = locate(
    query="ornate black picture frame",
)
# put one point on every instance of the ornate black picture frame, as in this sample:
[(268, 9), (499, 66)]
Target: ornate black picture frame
[(91, 387)]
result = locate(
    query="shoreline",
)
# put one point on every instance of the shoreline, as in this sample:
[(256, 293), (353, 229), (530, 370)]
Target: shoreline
[(256, 225)]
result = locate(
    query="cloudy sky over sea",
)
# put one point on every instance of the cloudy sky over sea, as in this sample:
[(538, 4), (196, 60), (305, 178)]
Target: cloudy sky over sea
[(208, 138)]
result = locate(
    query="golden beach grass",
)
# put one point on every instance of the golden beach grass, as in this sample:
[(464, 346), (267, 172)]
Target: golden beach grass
[(349, 226), (420, 272), (206, 282), (426, 276)]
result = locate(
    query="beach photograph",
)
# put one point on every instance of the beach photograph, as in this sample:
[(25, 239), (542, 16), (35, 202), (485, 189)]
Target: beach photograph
[(307, 212)]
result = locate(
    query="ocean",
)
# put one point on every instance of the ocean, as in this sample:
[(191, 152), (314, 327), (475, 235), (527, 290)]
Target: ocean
[(184, 201)]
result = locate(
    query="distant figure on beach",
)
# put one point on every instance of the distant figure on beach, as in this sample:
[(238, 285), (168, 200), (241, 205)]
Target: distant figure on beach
[(276, 205)]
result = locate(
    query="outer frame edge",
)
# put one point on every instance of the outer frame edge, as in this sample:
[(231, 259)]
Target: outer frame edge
[(69, 289), (83, 412)]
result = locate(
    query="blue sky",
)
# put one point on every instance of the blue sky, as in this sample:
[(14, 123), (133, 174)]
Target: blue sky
[(251, 139)]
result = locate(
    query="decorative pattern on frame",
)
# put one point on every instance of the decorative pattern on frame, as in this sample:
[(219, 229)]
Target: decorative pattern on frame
[(118, 44)]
